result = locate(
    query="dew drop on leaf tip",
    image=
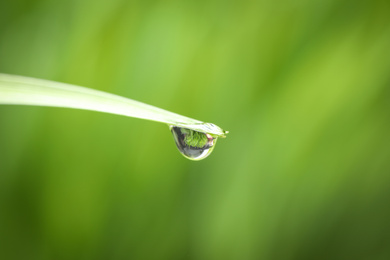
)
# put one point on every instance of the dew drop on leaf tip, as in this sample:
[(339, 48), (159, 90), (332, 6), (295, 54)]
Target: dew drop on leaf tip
[(192, 144)]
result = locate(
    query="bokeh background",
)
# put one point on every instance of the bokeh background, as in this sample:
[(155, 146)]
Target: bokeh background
[(302, 86)]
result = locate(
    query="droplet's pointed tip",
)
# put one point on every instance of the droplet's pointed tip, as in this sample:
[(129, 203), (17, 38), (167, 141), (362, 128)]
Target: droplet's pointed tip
[(224, 134)]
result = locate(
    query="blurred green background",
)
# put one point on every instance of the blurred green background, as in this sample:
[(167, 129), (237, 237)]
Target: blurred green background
[(302, 86)]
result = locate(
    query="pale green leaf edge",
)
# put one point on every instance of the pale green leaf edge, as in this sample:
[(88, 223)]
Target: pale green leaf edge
[(19, 90)]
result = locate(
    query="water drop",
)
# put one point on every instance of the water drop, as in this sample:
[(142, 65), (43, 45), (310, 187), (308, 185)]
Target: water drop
[(192, 144)]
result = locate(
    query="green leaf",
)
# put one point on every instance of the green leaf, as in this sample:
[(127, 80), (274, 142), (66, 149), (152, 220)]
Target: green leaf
[(18, 90)]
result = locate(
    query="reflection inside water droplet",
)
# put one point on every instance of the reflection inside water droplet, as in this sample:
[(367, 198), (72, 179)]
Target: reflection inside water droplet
[(192, 144)]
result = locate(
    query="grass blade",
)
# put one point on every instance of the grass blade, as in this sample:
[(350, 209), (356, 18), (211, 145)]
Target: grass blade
[(18, 90)]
